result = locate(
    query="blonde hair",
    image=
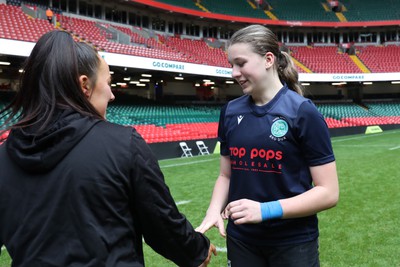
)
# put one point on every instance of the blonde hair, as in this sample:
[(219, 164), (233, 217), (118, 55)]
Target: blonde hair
[(263, 40)]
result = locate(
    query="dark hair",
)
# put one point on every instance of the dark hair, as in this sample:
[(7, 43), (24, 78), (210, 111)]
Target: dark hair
[(50, 81), (263, 40)]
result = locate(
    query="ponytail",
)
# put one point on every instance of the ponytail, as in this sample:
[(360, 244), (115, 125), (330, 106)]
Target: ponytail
[(287, 72)]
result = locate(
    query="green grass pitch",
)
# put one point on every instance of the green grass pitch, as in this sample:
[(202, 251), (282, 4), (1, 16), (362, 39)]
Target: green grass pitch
[(363, 230)]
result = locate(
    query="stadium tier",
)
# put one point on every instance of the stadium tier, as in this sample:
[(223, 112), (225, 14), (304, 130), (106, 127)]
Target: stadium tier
[(168, 123), (294, 10), (16, 25), (240, 8), (324, 59), (310, 10), (362, 10), (380, 58), (349, 114), (176, 123)]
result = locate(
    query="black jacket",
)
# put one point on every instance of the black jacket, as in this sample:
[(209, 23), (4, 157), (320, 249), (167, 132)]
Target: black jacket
[(84, 194)]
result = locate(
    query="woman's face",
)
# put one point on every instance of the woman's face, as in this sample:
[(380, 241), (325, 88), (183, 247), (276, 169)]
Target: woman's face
[(100, 94), (248, 68)]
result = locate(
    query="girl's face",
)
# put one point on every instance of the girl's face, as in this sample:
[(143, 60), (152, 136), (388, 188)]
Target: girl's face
[(100, 94), (248, 68)]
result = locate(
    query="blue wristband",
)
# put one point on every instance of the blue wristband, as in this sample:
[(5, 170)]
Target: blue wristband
[(271, 210)]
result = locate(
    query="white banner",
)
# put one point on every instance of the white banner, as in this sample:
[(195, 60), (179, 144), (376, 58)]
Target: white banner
[(19, 48)]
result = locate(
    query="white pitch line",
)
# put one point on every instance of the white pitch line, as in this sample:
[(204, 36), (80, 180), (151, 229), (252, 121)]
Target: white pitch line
[(183, 202), (393, 148), (379, 146), (363, 136), (221, 249), (187, 163)]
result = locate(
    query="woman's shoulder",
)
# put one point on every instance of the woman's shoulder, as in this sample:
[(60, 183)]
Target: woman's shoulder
[(107, 129)]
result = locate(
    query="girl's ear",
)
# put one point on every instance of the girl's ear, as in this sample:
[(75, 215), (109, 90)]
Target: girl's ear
[(84, 83), (269, 60)]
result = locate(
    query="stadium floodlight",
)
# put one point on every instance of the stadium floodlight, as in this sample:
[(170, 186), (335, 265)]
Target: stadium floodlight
[(111, 72), (5, 63), (395, 82), (141, 84), (305, 84), (206, 81), (178, 78), (113, 85), (341, 83), (127, 78), (367, 83), (121, 84), (20, 70), (197, 84), (230, 82), (146, 75), (144, 80), (134, 82)]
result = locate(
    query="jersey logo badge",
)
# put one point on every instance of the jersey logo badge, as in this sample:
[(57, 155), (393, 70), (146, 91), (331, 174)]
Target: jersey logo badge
[(240, 118), (279, 128)]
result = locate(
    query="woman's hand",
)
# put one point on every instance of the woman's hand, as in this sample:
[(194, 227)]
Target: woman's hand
[(211, 250)]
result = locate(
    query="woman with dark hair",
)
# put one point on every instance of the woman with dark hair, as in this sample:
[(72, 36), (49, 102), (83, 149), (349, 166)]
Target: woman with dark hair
[(74, 188), (277, 167)]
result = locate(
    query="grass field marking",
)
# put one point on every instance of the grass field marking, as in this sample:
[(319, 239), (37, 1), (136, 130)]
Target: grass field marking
[(183, 202), (393, 148), (221, 249), (363, 136), (187, 163), (367, 145)]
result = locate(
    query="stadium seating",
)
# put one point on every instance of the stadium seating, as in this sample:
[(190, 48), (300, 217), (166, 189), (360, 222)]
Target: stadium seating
[(197, 51), (324, 59), (310, 10), (380, 58), (14, 24), (170, 48), (238, 8), (349, 114), (295, 10), (362, 10)]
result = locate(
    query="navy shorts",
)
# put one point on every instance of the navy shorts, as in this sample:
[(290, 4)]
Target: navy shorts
[(241, 254)]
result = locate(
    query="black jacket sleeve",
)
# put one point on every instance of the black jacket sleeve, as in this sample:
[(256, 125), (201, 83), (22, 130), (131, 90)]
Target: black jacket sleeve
[(166, 230)]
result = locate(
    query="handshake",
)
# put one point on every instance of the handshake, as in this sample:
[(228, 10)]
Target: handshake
[(211, 250)]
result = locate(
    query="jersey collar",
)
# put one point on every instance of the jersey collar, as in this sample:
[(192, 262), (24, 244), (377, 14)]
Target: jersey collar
[(262, 110)]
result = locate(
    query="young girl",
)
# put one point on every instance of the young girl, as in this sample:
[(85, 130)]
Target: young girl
[(277, 167)]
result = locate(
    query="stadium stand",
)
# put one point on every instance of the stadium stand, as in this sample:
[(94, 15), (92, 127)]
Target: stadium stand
[(324, 59), (349, 114), (380, 58), (361, 10), (14, 24), (240, 8), (166, 123), (311, 10)]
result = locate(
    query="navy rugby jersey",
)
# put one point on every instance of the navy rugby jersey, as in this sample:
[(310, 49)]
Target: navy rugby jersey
[(271, 148)]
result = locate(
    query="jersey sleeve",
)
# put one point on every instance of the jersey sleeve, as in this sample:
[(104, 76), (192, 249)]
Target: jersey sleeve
[(164, 228), (224, 151), (313, 135)]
